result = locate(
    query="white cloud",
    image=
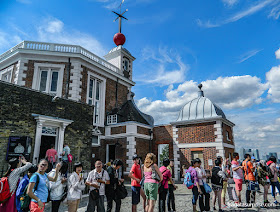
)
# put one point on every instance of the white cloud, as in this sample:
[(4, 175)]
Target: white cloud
[(230, 2), (248, 55), (54, 26), (241, 14), (277, 53), (273, 79), (8, 40), (53, 30), (233, 92), (166, 67)]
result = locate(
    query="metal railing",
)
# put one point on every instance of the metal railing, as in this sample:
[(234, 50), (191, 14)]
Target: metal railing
[(55, 47)]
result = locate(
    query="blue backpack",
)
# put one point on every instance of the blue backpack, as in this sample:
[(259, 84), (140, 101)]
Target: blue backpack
[(188, 180)]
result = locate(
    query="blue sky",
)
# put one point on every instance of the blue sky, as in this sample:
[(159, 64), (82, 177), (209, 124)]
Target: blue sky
[(231, 46)]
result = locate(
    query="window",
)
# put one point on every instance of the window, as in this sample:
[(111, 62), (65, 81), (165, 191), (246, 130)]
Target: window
[(112, 119), (95, 141), (48, 80), (6, 74), (125, 65), (94, 98), (228, 138)]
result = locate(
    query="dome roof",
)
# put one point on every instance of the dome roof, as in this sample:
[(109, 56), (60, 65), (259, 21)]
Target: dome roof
[(200, 108)]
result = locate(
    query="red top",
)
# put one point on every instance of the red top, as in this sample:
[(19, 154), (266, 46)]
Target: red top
[(136, 172), (166, 175), (51, 155)]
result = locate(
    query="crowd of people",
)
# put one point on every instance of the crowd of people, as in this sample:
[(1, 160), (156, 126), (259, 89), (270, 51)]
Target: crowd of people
[(150, 182)]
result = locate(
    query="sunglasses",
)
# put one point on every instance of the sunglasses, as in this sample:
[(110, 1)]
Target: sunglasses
[(44, 164)]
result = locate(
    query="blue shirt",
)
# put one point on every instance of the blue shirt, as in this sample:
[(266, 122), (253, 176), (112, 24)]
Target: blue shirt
[(21, 186), (42, 190)]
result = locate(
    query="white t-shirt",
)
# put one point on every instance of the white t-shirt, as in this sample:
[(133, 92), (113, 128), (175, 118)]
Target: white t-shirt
[(238, 174), (94, 175)]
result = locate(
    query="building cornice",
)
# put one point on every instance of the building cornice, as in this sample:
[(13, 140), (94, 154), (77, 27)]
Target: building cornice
[(197, 121)]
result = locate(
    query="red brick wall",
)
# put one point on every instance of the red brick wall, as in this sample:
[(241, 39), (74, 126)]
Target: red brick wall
[(110, 100), (100, 152), (163, 135), (143, 130), (228, 151), (142, 147), (196, 133), (110, 96), (228, 129), (208, 153), (118, 130)]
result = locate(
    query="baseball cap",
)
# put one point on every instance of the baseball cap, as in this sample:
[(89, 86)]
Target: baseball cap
[(253, 157), (135, 157)]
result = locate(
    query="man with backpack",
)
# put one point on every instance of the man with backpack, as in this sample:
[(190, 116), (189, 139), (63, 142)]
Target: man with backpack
[(22, 188), (97, 179), (273, 176), (250, 179)]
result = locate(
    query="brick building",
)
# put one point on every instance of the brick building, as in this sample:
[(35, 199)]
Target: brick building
[(75, 76), (201, 131), (48, 88)]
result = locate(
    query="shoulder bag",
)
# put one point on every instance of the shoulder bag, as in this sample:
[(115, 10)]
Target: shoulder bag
[(155, 175)]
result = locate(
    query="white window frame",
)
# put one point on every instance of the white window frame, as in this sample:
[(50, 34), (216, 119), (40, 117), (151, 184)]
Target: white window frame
[(112, 119), (7, 71), (101, 96), (49, 66), (227, 134), (98, 141)]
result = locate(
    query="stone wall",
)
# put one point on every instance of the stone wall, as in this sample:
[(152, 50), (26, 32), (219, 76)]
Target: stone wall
[(17, 105), (196, 133)]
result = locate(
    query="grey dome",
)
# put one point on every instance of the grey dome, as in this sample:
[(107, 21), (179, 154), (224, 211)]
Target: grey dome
[(200, 108)]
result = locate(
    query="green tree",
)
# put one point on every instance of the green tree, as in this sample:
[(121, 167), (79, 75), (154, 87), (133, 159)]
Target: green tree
[(164, 154)]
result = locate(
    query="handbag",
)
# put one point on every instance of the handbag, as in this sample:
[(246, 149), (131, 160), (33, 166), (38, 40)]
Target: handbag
[(94, 194), (207, 188), (232, 193), (121, 192), (155, 175)]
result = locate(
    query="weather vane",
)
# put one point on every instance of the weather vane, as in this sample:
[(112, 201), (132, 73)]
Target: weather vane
[(120, 16)]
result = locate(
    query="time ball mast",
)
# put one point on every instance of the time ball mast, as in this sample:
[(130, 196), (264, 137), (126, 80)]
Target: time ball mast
[(119, 38)]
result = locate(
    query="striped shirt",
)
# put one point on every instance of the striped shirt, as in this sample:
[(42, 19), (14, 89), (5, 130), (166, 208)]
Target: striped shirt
[(15, 175)]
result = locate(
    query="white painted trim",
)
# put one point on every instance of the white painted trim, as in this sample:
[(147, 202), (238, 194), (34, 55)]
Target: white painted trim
[(195, 121), (102, 96), (124, 135), (7, 70), (130, 123), (36, 76), (42, 120)]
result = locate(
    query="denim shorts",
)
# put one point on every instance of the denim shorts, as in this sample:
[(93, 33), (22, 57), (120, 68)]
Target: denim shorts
[(135, 195)]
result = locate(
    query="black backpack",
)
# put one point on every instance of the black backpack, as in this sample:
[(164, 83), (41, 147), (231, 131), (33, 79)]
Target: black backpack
[(216, 179)]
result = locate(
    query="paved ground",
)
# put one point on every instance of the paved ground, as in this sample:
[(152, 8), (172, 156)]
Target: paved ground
[(183, 202)]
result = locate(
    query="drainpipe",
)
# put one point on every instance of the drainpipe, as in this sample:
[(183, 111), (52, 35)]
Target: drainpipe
[(150, 141), (68, 78), (117, 84)]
